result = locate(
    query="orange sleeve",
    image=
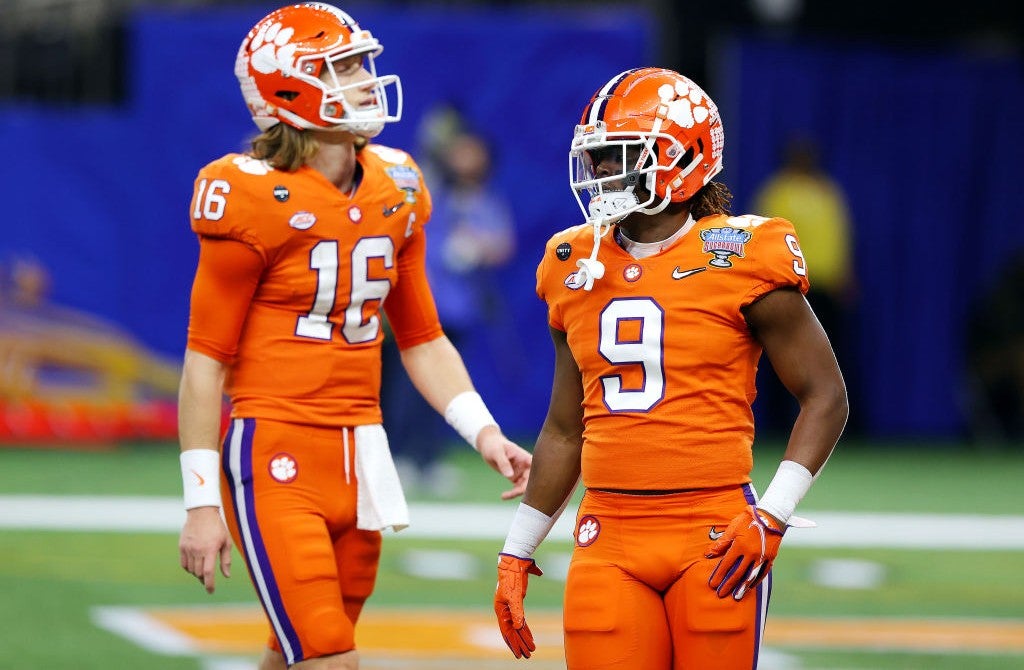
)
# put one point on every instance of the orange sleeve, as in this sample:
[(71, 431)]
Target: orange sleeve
[(225, 281), (543, 268), (780, 262), (410, 305), (225, 205)]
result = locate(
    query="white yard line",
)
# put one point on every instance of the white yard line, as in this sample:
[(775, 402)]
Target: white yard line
[(460, 521), (136, 625)]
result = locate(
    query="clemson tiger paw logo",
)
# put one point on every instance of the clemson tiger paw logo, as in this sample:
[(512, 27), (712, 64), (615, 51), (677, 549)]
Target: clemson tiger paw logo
[(687, 105), (283, 468), (253, 166), (587, 531), (271, 50)]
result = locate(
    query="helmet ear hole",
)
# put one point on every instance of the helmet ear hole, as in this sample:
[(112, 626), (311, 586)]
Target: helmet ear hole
[(687, 157)]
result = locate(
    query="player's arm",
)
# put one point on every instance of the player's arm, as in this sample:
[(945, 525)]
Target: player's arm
[(204, 538), (556, 457), (438, 372), (226, 278), (560, 442), (800, 352), (555, 474)]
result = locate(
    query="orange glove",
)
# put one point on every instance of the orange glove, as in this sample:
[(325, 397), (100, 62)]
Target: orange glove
[(513, 573), (747, 549)]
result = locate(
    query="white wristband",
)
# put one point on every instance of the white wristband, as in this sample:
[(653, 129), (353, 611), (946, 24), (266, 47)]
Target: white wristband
[(786, 490), (200, 477), (468, 415), (529, 528)]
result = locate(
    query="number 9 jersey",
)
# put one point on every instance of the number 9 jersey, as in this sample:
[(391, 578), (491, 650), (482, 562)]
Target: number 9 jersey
[(294, 310), (668, 362)]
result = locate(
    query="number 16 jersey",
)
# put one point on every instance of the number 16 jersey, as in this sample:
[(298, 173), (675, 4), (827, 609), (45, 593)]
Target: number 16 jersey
[(319, 263)]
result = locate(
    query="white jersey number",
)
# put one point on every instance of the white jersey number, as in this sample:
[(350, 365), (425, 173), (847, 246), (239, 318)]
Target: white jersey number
[(644, 320), (210, 203), (799, 265), (323, 258)]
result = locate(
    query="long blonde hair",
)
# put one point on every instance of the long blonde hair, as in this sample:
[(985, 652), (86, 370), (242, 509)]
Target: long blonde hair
[(288, 148), (284, 147)]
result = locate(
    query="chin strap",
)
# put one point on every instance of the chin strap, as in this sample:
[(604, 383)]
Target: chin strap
[(605, 211), (591, 269)]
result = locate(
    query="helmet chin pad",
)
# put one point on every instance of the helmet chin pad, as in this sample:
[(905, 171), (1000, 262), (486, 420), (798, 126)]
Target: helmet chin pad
[(610, 206)]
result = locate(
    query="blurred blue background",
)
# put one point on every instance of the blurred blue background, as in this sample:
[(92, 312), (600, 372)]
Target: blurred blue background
[(918, 116)]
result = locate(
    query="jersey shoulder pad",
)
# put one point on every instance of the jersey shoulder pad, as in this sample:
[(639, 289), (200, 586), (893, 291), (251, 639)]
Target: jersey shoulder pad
[(764, 251), (400, 169), (247, 171), (398, 165), (389, 155), (229, 194), (575, 237), (232, 199), (561, 252), (577, 241)]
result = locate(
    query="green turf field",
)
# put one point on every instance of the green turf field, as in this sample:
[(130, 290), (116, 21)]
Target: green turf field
[(51, 581)]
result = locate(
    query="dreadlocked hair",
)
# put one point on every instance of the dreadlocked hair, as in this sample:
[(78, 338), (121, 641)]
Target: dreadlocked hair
[(713, 198), (284, 147)]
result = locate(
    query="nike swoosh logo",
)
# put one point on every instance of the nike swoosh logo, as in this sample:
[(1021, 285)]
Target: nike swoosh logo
[(388, 211), (199, 477), (715, 534), (683, 274)]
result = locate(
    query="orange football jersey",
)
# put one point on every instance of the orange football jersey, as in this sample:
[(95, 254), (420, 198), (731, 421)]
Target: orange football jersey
[(667, 360), (306, 347)]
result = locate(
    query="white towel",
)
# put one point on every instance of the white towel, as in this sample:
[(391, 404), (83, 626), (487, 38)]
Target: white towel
[(381, 502)]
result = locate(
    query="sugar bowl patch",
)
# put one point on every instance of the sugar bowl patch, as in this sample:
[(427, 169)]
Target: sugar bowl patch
[(723, 243)]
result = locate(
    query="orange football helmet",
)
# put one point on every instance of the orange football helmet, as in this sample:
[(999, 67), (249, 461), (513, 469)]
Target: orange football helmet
[(286, 66), (648, 127)]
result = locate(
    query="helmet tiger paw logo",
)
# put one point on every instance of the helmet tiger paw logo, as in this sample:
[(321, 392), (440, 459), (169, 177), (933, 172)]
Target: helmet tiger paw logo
[(271, 50), (683, 103), (311, 66)]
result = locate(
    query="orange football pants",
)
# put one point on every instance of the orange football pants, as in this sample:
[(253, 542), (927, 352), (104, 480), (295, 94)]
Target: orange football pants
[(637, 593), (289, 495)]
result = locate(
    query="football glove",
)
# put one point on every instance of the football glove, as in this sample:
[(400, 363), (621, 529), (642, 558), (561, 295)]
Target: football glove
[(513, 573), (747, 549)]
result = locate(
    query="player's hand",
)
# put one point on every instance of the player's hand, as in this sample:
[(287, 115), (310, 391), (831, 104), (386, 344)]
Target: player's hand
[(513, 573), (204, 542), (507, 457), (747, 549)]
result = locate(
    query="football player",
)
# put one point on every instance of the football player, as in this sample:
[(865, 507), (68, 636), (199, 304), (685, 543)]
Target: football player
[(660, 307), (304, 241)]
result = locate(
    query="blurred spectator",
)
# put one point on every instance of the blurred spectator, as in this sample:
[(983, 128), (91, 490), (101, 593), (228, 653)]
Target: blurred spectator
[(802, 192), (996, 358), (469, 238)]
